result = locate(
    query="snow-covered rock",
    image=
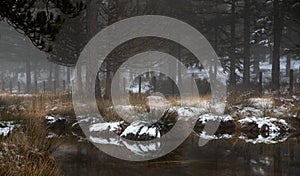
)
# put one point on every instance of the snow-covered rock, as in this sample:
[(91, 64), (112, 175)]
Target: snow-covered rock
[(138, 129), (273, 125)]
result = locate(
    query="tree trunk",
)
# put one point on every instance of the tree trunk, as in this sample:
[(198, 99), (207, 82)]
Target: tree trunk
[(277, 30), (50, 76), (79, 79), (35, 77), (233, 45), (108, 81), (28, 76), (179, 76), (57, 76), (68, 75), (256, 57), (246, 73), (288, 64)]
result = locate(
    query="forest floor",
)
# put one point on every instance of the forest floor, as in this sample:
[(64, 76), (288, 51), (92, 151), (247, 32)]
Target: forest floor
[(32, 125)]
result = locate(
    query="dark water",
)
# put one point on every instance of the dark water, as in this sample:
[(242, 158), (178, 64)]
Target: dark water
[(218, 157)]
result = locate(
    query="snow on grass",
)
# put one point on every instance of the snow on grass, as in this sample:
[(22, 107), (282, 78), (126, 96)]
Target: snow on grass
[(187, 111), (52, 135), (156, 102), (15, 95), (6, 127), (128, 112), (212, 117), (261, 102), (202, 103), (5, 131), (51, 119), (250, 111), (110, 126)]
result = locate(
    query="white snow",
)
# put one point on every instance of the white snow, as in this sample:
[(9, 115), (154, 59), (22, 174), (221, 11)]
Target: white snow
[(270, 122), (187, 111), (212, 117), (4, 131), (262, 102), (50, 119), (133, 128), (7, 127), (250, 111), (141, 128)]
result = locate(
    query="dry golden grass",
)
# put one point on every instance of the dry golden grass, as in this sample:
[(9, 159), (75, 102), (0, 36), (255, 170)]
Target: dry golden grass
[(27, 151)]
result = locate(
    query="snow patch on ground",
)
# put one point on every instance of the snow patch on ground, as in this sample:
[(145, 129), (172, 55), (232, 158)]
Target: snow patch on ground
[(262, 102), (250, 111), (6, 127), (184, 112)]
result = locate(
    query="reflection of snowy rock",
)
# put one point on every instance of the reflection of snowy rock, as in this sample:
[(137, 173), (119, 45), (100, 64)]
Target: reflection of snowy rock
[(107, 126), (142, 149), (135, 147), (272, 139), (204, 135)]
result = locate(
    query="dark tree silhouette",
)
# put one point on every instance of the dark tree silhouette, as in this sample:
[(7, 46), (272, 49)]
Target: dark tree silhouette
[(39, 20)]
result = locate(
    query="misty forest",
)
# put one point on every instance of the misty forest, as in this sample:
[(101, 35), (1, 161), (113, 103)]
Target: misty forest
[(47, 122)]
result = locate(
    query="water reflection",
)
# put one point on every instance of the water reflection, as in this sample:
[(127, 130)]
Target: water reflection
[(218, 157)]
